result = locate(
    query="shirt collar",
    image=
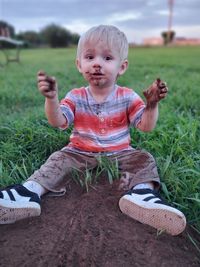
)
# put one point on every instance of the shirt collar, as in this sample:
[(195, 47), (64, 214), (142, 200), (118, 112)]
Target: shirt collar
[(109, 98)]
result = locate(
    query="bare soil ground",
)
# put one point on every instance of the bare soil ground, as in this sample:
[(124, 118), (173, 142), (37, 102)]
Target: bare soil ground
[(87, 229)]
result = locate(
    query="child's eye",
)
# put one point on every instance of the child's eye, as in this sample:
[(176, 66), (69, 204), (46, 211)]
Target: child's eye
[(108, 58), (89, 57)]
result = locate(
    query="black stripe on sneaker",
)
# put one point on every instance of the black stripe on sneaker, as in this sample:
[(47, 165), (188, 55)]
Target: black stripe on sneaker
[(149, 198), (161, 202), (10, 194), (158, 201), (21, 191), (24, 192), (146, 191)]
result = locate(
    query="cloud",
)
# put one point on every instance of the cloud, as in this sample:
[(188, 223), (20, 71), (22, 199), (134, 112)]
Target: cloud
[(138, 18), (118, 17)]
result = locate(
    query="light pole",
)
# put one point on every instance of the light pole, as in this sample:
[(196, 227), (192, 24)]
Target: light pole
[(171, 4)]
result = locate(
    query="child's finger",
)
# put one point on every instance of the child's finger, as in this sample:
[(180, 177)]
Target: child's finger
[(41, 73), (46, 87), (50, 79), (161, 96), (43, 83), (46, 80), (43, 77), (162, 85), (164, 90), (48, 94)]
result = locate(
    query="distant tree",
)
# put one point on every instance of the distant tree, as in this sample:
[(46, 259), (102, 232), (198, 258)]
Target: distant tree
[(6, 29), (168, 36), (75, 38), (56, 36), (31, 38)]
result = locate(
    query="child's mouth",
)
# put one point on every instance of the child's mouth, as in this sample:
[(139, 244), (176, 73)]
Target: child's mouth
[(97, 74)]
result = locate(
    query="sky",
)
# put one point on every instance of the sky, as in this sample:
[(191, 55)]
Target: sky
[(138, 19)]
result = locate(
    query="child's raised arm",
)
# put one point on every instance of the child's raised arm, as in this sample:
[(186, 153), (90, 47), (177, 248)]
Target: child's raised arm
[(157, 91), (48, 87)]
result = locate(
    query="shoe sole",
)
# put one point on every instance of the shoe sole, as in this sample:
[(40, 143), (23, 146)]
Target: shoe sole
[(165, 219), (12, 211)]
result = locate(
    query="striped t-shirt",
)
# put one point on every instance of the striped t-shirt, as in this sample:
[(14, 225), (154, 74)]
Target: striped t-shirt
[(101, 127)]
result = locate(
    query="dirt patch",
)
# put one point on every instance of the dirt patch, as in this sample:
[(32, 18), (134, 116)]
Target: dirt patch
[(87, 229)]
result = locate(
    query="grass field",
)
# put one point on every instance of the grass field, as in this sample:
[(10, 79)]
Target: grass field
[(26, 140)]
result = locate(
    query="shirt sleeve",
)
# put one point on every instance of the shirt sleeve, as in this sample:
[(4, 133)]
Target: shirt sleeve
[(135, 109), (67, 106)]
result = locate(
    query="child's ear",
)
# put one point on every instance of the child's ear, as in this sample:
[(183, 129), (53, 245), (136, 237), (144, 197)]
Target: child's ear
[(123, 67), (78, 65)]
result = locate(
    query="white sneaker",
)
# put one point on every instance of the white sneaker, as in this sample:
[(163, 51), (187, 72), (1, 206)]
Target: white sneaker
[(146, 206), (17, 203)]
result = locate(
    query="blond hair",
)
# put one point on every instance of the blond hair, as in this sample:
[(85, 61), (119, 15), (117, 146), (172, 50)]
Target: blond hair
[(111, 35)]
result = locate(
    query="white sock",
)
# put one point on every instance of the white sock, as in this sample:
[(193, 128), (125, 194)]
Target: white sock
[(144, 186), (35, 187)]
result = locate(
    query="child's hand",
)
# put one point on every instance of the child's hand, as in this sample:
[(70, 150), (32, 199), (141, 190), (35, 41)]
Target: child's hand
[(157, 91), (47, 85)]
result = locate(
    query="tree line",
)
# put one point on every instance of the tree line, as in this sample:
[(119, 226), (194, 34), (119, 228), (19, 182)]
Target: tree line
[(52, 35)]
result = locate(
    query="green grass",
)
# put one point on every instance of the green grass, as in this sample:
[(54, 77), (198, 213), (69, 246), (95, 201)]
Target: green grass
[(26, 139), (105, 168)]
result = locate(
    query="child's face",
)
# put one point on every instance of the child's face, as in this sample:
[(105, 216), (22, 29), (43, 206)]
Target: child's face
[(100, 65)]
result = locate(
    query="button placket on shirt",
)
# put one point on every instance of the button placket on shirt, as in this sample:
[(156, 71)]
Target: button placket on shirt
[(101, 119), (102, 123)]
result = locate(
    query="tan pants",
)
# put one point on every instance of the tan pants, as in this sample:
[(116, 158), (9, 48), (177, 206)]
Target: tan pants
[(135, 167)]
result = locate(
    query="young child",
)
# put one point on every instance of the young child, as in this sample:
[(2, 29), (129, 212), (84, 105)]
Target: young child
[(102, 114)]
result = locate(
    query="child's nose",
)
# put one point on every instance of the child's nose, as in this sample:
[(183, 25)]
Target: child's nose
[(97, 63)]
